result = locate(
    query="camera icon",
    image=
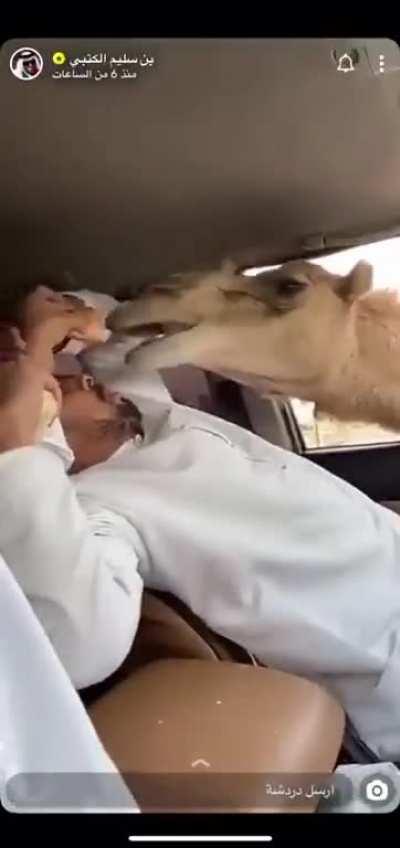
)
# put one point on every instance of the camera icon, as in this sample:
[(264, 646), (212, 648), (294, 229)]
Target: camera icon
[(378, 790)]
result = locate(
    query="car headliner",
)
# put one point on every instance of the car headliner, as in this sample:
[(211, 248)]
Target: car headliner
[(254, 149)]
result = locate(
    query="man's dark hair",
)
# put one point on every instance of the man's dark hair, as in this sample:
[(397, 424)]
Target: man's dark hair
[(129, 421)]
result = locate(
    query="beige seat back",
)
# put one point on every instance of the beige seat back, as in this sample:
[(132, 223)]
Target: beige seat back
[(202, 736), (186, 694)]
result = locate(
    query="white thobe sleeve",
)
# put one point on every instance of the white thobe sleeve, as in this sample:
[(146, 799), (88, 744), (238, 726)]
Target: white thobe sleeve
[(50, 756), (78, 569)]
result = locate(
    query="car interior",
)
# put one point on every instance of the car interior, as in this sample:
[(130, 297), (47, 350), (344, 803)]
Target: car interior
[(260, 151)]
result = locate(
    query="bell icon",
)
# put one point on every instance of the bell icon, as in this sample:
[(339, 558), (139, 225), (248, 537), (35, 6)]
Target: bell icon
[(345, 64)]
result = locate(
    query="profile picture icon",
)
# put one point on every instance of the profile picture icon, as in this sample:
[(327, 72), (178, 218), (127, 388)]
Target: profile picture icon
[(26, 64)]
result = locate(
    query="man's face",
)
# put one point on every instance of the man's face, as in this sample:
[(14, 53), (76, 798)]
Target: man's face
[(31, 67), (96, 421)]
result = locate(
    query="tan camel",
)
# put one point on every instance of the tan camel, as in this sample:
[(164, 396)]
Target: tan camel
[(298, 331)]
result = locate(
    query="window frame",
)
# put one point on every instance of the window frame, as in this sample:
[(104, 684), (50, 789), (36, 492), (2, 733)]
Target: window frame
[(374, 469), (357, 464)]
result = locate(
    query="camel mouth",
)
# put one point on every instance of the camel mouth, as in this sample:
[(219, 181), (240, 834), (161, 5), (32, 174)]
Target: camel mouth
[(152, 332)]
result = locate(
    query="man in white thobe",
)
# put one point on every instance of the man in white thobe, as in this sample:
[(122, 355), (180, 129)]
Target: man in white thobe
[(267, 548), (50, 756)]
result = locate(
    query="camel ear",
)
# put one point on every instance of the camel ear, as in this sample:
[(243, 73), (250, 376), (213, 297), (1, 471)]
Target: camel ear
[(356, 283)]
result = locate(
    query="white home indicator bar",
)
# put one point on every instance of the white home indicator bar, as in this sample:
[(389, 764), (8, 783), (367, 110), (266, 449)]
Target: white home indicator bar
[(200, 839)]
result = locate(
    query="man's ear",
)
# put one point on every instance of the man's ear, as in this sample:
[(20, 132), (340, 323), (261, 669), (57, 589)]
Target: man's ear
[(356, 283)]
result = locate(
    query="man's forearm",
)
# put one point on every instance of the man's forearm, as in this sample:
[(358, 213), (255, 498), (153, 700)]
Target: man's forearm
[(79, 572), (40, 349)]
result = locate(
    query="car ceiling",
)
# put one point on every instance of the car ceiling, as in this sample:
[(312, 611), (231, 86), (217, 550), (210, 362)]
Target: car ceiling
[(247, 148)]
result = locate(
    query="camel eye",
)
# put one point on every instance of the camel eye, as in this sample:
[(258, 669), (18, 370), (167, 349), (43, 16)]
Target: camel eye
[(234, 296), (166, 290), (287, 288)]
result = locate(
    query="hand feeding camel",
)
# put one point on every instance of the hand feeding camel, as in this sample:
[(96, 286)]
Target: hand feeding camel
[(298, 331)]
